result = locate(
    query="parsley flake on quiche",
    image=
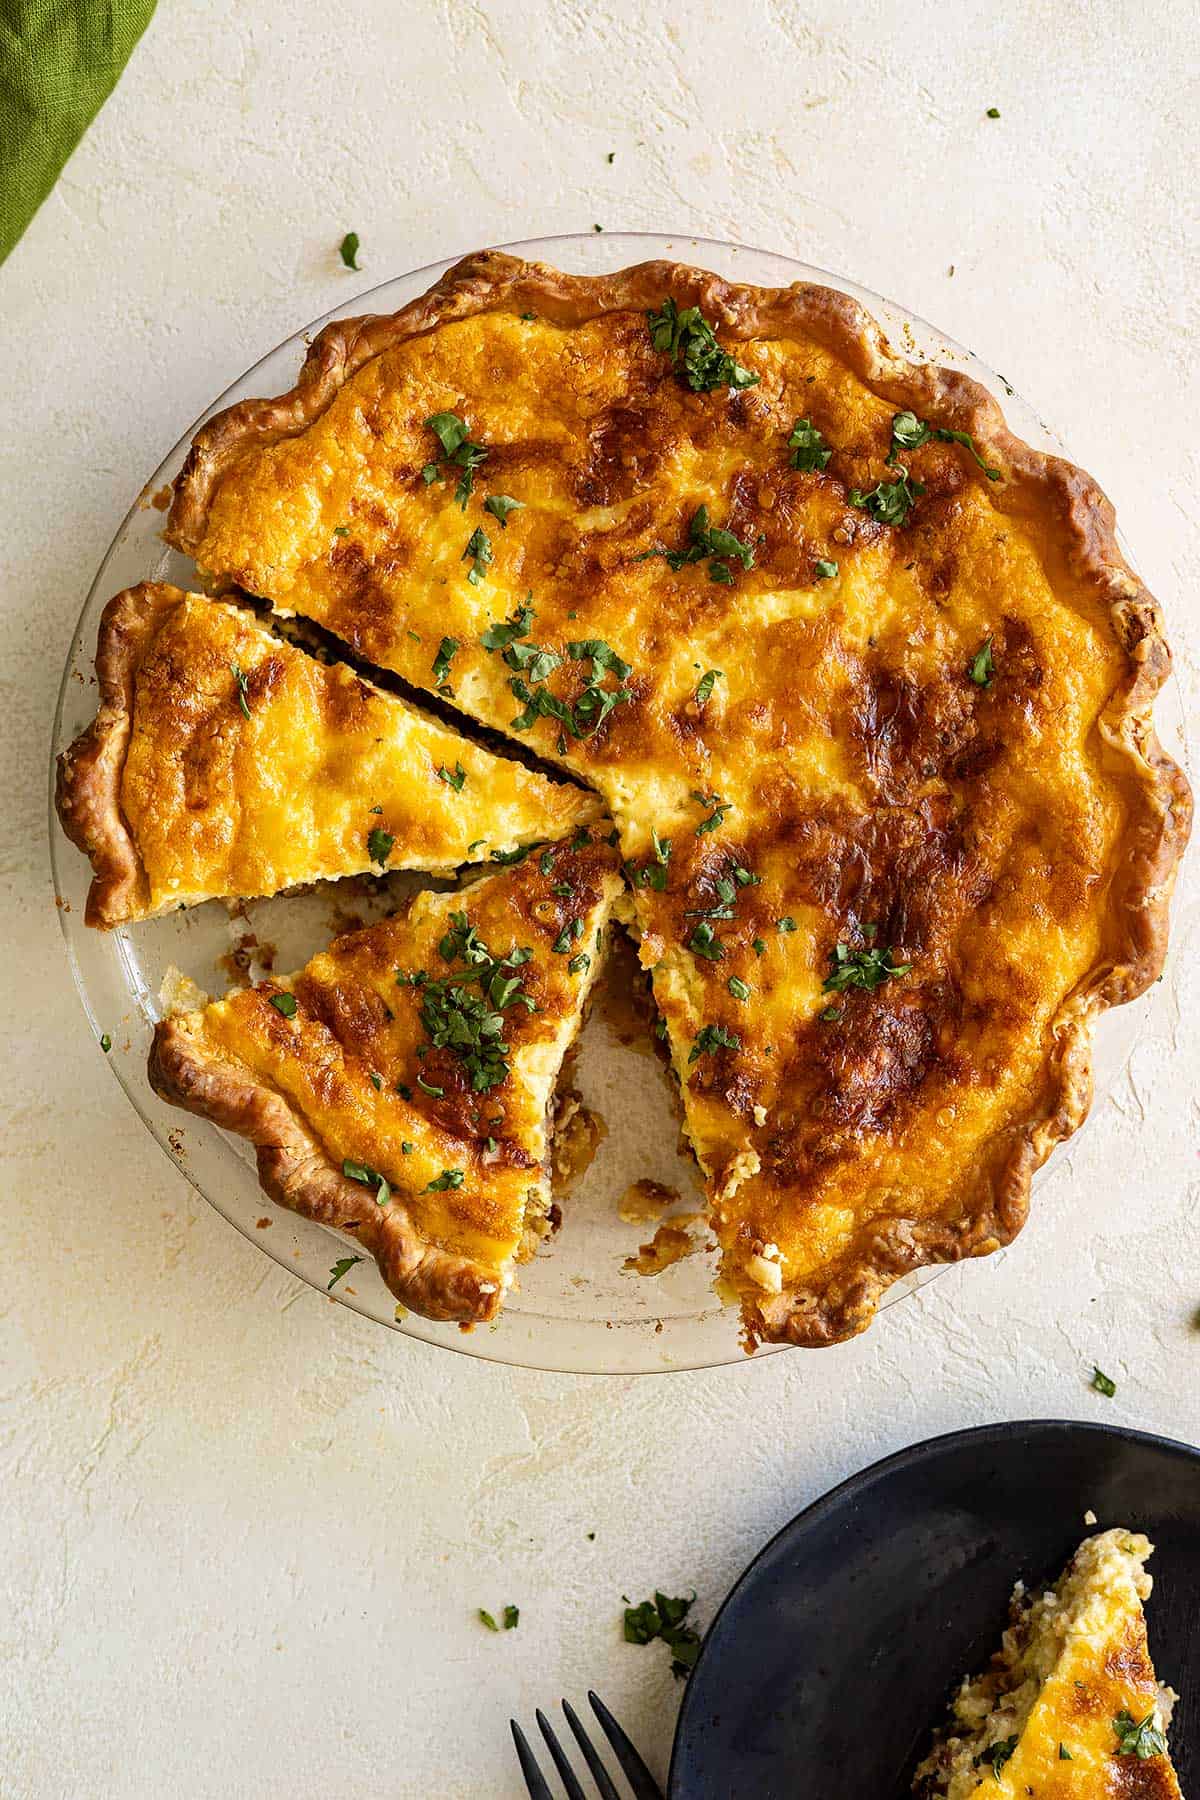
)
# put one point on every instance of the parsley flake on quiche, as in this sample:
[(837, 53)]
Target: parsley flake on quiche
[(931, 741), (225, 762), (404, 1097)]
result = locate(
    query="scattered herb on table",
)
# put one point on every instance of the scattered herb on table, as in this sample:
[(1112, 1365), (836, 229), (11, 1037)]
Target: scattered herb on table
[(665, 1617), (105, 1042), (348, 250), (1103, 1384)]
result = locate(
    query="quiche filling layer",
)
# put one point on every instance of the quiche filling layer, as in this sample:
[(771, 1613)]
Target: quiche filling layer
[(1070, 1705), (401, 1086), (862, 680)]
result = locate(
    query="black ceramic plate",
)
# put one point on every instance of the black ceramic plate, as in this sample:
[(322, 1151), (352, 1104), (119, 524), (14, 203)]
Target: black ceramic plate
[(836, 1652)]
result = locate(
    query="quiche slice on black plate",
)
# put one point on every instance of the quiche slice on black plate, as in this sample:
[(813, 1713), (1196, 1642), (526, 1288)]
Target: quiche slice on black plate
[(1070, 1708)]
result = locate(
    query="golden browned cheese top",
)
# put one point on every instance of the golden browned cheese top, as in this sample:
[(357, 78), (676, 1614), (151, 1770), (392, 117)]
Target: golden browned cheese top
[(844, 743), (362, 1058)]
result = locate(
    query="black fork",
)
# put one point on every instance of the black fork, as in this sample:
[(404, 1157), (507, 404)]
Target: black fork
[(641, 1783)]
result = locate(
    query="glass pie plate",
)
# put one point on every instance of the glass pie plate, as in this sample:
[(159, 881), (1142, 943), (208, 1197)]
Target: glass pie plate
[(577, 1308)]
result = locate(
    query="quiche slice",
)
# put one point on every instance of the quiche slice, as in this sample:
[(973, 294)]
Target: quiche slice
[(863, 680), (401, 1086), (1070, 1708), (224, 762)]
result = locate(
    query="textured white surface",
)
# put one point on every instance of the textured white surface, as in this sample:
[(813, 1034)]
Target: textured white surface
[(242, 1541)]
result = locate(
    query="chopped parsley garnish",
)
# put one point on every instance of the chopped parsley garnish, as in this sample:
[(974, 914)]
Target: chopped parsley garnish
[(1103, 1384), (688, 338), (488, 1620), (824, 570), (654, 874), (909, 433), (479, 549), (982, 665), (1064, 1755), (711, 1038), (458, 452), (376, 1080), (716, 817), (593, 704), (889, 501), (787, 923), (499, 637), (456, 780), (105, 1042), (664, 1617), (510, 858), (470, 1023), (449, 1178), (341, 1267), (706, 543), (759, 947), (284, 1003), (532, 661), (579, 964), (242, 681), (831, 1015), (993, 112), (379, 845), (706, 684), (744, 877), (1139, 1737), (868, 968), (996, 1755), (705, 942), (500, 505), (428, 1087), (808, 447), (738, 988), (446, 652), (362, 1172), (341, 531), (570, 934), (348, 250)]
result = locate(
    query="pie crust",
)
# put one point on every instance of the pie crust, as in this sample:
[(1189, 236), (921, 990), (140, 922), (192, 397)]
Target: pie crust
[(1009, 842)]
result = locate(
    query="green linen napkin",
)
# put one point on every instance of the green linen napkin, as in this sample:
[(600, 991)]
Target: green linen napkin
[(59, 62)]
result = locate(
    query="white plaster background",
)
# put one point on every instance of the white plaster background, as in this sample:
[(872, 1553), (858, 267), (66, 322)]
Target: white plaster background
[(241, 1541)]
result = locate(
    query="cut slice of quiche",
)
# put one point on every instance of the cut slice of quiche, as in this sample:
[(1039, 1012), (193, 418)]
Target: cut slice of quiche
[(1070, 1708), (401, 1086), (225, 762)]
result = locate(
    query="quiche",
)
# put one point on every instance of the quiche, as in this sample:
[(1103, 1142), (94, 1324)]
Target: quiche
[(1070, 1708), (863, 680), (225, 762), (400, 1087)]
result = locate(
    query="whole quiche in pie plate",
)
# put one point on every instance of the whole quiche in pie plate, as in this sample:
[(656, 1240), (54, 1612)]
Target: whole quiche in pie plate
[(862, 679)]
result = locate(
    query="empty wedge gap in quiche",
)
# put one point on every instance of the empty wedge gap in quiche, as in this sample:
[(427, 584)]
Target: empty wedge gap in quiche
[(863, 680), (224, 762), (401, 1086), (1070, 1708)]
